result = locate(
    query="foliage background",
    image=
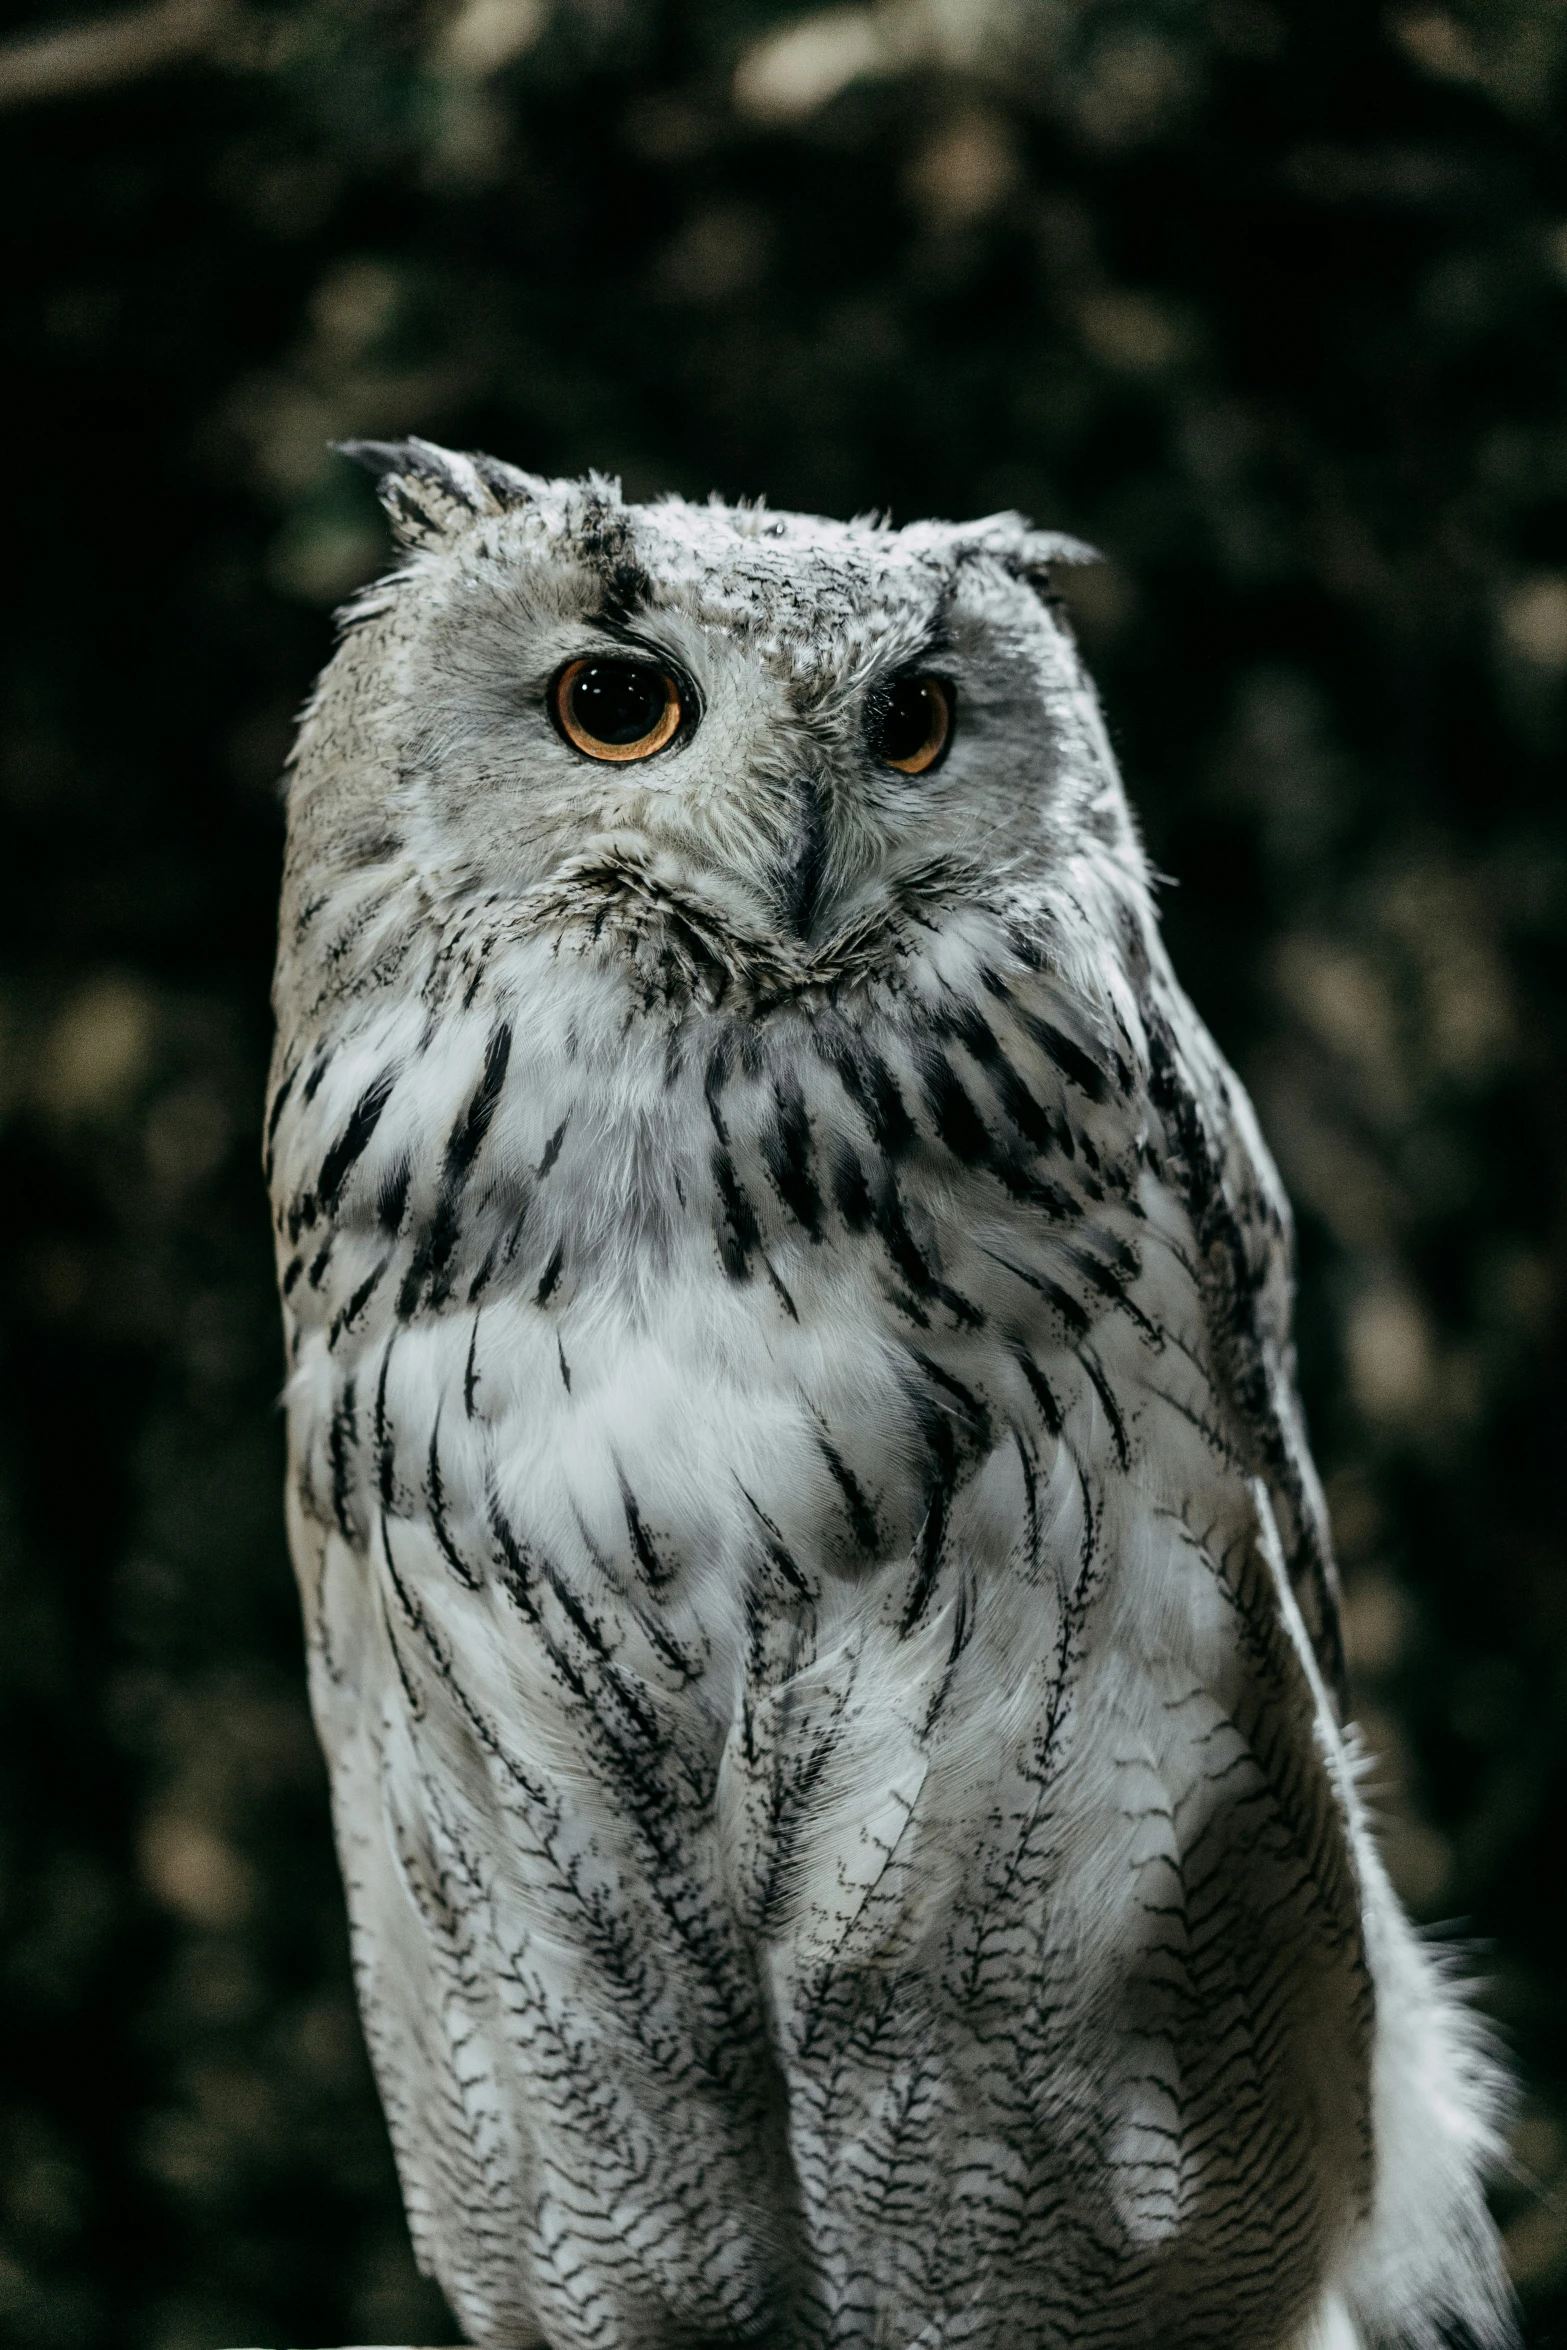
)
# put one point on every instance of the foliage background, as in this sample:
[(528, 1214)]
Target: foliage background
[(1266, 297)]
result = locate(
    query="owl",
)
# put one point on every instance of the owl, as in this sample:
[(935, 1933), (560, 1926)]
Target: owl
[(819, 1609)]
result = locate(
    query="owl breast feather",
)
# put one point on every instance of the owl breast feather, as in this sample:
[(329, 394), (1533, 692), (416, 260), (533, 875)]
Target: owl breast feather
[(802, 1646)]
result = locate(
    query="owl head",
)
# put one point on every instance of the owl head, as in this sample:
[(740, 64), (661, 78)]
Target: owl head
[(786, 732)]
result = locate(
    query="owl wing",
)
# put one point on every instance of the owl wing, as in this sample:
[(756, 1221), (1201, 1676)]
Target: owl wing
[(1244, 1231)]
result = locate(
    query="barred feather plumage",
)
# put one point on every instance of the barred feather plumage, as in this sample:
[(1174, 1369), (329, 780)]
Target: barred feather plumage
[(820, 1611)]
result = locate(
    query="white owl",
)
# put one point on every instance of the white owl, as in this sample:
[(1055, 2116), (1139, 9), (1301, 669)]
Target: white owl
[(819, 1608)]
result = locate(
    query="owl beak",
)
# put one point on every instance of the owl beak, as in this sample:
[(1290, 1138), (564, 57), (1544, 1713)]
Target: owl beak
[(803, 868)]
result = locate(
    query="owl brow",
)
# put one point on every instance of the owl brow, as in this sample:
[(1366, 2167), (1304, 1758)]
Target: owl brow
[(619, 632), (940, 620), (933, 648), (606, 546)]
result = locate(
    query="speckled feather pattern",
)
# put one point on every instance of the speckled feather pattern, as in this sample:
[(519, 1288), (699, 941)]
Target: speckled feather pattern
[(819, 1607)]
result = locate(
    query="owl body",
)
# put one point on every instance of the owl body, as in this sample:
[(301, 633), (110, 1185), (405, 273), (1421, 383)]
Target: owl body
[(818, 1605)]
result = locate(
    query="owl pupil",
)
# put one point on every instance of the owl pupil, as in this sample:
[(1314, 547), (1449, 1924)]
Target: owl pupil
[(908, 719), (617, 701)]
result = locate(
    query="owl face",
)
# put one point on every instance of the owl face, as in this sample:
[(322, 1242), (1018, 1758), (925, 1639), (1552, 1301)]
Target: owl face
[(793, 724)]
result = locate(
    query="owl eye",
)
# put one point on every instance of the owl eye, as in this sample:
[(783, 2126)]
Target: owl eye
[(912, 723), (616, 709)]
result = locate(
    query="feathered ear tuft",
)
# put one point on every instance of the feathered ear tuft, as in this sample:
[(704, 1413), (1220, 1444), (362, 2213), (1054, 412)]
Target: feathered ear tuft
[(1037, 550), (430, 491), (1034, 563), (1028, 554)]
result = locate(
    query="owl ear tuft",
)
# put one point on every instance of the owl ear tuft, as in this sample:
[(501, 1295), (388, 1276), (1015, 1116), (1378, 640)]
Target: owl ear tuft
[(1035, 561), (1037, 550), (429, 491), (1027, 554)]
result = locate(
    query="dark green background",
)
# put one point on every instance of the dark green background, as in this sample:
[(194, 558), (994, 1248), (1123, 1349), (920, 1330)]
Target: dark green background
[(1266, 297)]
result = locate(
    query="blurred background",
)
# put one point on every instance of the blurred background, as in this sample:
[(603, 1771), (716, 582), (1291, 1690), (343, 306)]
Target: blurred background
[(1268, 298)]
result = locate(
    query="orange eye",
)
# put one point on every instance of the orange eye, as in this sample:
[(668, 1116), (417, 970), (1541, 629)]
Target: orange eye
[(616, 709), (912, 725)]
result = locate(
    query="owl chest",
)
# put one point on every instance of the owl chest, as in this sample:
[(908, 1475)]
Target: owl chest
[(711, 1339), (767, 1328), (867, 1535)]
